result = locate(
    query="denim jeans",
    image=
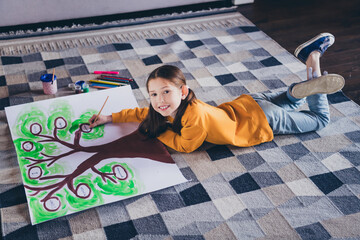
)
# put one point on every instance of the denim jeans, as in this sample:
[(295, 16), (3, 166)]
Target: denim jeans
[(279, 109)]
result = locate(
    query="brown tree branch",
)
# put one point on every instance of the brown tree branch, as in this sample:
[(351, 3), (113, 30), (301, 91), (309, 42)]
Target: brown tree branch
[(104, 175), (53, 159), (53, 177)]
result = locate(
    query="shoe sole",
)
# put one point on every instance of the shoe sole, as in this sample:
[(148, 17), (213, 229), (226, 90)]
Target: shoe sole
[(326, 84), (299, 48)]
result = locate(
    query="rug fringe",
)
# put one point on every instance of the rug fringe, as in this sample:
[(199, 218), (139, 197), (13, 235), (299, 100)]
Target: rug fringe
[(120, 35)]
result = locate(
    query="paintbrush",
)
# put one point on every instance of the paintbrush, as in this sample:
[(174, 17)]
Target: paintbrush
[(53, 75), (101, 110)]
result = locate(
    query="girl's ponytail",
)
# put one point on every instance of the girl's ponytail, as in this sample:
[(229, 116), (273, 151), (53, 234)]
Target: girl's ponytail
[(176, 126), (154, 124)]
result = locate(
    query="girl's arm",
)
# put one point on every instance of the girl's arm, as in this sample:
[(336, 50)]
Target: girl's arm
[(191, 138), (126, 115), (130, 115)]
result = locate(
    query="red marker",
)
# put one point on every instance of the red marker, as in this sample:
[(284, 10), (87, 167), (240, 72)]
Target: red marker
[(105, 72)]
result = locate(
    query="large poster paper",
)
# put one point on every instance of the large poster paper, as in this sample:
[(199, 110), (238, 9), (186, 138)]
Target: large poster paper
[(67, 167)]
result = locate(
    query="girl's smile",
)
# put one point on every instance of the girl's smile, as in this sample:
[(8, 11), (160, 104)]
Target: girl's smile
[(165, 97), (164, 107)]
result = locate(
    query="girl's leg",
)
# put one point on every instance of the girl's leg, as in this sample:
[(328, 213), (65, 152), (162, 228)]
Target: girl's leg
[(279, 111), (310, 53), (313, 65), (277, 106), (290, 122), (280, 99)]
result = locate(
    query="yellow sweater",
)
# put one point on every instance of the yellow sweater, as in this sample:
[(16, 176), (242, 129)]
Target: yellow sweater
[(240, 122)]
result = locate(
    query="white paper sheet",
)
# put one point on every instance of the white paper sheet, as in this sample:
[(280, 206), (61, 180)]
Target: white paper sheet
[(65, 168)]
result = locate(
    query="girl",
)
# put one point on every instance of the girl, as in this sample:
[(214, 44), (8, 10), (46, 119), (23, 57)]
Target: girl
[(182, 122)]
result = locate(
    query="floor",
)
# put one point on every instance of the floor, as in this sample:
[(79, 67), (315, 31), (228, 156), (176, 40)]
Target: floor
[(291, 22)]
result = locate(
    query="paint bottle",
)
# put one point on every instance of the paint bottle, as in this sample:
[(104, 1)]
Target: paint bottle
[(71, 85), (85, 88), (77, 89)]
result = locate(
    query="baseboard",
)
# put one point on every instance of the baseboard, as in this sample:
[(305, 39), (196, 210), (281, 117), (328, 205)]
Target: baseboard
[(239, 2)]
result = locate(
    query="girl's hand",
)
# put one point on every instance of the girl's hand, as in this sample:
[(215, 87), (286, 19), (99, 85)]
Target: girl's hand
[(102, 119)]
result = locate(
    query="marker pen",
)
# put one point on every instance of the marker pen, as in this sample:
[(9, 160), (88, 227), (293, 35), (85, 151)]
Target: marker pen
[(105, 72)]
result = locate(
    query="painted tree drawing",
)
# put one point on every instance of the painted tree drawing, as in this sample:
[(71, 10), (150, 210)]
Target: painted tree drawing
[(67, 168)]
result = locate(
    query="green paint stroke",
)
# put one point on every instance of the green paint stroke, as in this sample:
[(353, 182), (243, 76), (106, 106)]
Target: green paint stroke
[(97, 132), (77, 203), (35, 151), (40, 214), (67, 200), (26, 118), (126, 187), (58, 109), (36, 182), (51, 149), (56, 169)]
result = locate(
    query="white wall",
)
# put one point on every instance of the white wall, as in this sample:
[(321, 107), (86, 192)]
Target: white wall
[(16, 12)]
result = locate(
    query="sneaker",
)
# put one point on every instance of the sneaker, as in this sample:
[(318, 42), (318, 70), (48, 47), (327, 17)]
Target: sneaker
[(319, 43), (327, 84)]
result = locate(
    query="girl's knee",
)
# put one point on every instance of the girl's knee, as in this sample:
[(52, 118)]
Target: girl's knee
[(324, 121)]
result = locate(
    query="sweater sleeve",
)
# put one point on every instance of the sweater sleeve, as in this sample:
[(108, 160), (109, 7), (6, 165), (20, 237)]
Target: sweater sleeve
[(130, 115), (191, 138)]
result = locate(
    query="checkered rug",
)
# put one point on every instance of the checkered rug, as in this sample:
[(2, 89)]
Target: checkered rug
[(296, 187)]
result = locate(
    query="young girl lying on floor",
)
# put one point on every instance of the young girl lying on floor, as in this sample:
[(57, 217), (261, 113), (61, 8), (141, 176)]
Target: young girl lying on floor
[(182, 122)]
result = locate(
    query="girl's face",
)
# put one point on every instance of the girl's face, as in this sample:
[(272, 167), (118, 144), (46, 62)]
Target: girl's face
[(165, 97)]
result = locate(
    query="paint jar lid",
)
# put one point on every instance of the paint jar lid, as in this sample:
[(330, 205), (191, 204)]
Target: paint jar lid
[(80, 83), (47, 77)]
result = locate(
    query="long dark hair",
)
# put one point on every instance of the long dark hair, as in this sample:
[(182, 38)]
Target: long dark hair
[(154, 124)]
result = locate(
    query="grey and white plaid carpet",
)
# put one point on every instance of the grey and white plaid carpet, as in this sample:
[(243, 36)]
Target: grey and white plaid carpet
[(296, 187)]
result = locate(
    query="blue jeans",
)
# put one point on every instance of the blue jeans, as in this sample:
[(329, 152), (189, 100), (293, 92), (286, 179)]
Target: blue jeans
[(279, 109)]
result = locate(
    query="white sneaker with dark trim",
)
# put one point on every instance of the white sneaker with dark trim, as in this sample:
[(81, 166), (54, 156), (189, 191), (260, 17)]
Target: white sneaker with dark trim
[(326, 84)]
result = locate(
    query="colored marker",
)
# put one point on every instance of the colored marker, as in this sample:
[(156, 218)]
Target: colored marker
[(113, 79), (105, 72), (107, 82), (101, 85), (122, 78)]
